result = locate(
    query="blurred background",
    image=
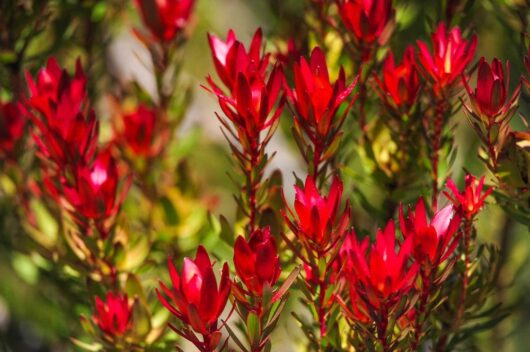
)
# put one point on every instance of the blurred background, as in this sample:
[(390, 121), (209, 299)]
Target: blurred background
[(36, 314)]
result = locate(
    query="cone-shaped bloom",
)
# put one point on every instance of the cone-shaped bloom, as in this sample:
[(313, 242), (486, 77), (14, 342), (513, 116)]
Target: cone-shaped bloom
[(471, 199), (256, 261), (13, 119), (252, 105), (94, 193), (138, 131), (165, 19), (432, 241), (65, 132), (113, 316), (318, 222), (450, 56), (490, 98), (231, 58), (382, 273), (365, 18), (195, 298), (400, 84), (314, 98)]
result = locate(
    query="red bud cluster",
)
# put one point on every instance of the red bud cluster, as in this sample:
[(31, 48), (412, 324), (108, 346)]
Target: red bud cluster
[(366, 19), (315, 103), (256, 261), (196, 299), (471, 200), (451, 54), (114, 315), (252, 105), (400, 84), (165, 19), (66, 129), (432, 242)]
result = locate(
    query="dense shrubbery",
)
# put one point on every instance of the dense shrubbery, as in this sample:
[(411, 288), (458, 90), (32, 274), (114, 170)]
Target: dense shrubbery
[(378, 250)]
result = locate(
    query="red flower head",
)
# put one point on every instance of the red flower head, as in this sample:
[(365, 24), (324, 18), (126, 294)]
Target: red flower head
[(366, 18), (251, 105), (113, 317), (400, 84), (66, 133), (13, 118), (138, 131), (55, 94), (382, 274), (471, 200), (433, 241), (94, 193), (196, 299), (490, 97), (314, 99), (451, 54), (165, 18), (256, 261), (231, 58), (318, 223)]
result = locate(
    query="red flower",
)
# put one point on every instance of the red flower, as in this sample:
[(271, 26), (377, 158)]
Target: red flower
[(382, 274), (471, 200), (196, 299), (55, 94), (451, 55), (113, 317), (165, 19), (13, 118), (231, 58), (365, 18), (315, 99), (66, 133), (94, 193), (138, 131), (490, 96), (433, 241), (251, 104), (318, 223), (256, 261), (400, 84)]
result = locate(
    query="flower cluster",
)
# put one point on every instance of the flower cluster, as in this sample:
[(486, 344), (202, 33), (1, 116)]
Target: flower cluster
[(66, 132), (315, 104), (196, 299)]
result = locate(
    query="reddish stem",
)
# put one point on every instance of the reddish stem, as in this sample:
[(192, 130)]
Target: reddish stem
[(438, 124), (252, 186), (322, 309), (420, 320)]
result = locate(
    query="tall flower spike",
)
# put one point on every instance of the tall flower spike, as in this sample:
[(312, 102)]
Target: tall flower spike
[(315, 103), (318, 222), (400, 84), (450, 56), (196, 299), (113, 316), (366, 19), (66, 130), (471, 200), (490, 99), (165, 19), (256, 261), (432, 241)]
